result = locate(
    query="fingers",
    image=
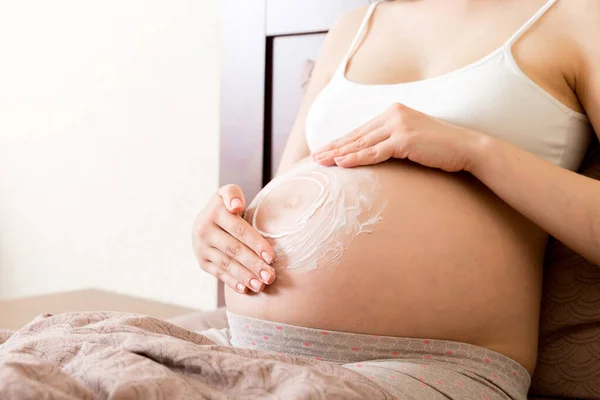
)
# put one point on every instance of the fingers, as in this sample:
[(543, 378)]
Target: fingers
[(362, 142), (220, 274), (334, 146), (255, 252), (233, 271), (236, 250), (229, 248), (233, 198), (372, 155)]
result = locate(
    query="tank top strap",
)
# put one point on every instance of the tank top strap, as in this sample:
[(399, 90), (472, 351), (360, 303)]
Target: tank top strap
[(530, 22), (359, 34)]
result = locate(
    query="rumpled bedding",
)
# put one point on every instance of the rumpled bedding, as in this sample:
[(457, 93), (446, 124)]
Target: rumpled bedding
[(110, 355)]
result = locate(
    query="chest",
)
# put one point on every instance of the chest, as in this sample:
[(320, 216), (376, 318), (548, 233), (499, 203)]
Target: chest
[(410, 41)]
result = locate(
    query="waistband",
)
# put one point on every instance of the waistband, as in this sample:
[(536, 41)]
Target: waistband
[(345, 347)]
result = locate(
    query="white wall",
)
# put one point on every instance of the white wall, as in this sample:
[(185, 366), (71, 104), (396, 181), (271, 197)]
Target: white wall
[(108, 145)]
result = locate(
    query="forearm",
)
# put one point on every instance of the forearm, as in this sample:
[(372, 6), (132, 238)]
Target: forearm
[(563, 203)]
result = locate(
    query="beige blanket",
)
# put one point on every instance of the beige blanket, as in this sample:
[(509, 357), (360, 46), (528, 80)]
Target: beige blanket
[(126, 356)]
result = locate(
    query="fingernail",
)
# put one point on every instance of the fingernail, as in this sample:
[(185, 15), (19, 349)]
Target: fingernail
[(235, 203), (255, 284), (240, 287), (267, 257), (265, 275), (339, 159)]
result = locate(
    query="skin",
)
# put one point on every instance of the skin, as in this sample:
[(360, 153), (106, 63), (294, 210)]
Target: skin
[(557, 201)]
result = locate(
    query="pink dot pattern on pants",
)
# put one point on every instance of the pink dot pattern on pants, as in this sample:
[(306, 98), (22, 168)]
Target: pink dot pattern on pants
[(366, 354)]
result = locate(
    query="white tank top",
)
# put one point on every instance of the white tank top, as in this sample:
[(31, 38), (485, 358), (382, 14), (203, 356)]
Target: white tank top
[(492, 95)]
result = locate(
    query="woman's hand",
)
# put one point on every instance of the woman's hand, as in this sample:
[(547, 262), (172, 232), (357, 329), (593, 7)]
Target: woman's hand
[(229, 248), (401, 132)]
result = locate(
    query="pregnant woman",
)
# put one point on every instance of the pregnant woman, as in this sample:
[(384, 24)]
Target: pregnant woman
[(405, 231)]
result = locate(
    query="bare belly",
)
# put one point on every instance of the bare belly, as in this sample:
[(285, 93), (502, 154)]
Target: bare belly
[(447, 260)]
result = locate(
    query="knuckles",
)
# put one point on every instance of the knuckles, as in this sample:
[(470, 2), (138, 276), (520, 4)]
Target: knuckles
[(225, 264), (240, 231), (233, 250), (372, 152), (360, 142), (201, 231), (204, 265), (397, 109), (257, 264), (398, 117)]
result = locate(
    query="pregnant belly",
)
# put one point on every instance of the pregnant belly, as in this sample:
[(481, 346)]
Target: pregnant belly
[(400, 250)]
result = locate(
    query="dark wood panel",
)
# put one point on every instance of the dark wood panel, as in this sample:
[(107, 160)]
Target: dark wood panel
[(289, 56), (305, 16)]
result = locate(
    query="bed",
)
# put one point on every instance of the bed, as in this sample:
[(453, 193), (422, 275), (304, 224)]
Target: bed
[(131, 356)]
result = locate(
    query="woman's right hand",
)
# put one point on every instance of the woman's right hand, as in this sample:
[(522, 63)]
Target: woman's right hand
[(228, 247)]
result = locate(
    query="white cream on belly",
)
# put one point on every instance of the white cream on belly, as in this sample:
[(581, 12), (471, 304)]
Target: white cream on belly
[(311, 214)]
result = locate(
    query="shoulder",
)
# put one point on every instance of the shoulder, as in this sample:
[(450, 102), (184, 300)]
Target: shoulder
[(350, 21), (581, 21), (342, 33), (576, 26)]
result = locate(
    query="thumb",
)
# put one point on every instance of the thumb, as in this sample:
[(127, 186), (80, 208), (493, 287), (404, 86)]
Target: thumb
[(233, 198)]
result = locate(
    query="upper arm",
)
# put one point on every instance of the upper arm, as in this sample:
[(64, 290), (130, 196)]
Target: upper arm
[(588, 82), (336, 44)]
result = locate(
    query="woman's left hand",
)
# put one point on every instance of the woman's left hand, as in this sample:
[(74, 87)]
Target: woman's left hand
[(402, 132)]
